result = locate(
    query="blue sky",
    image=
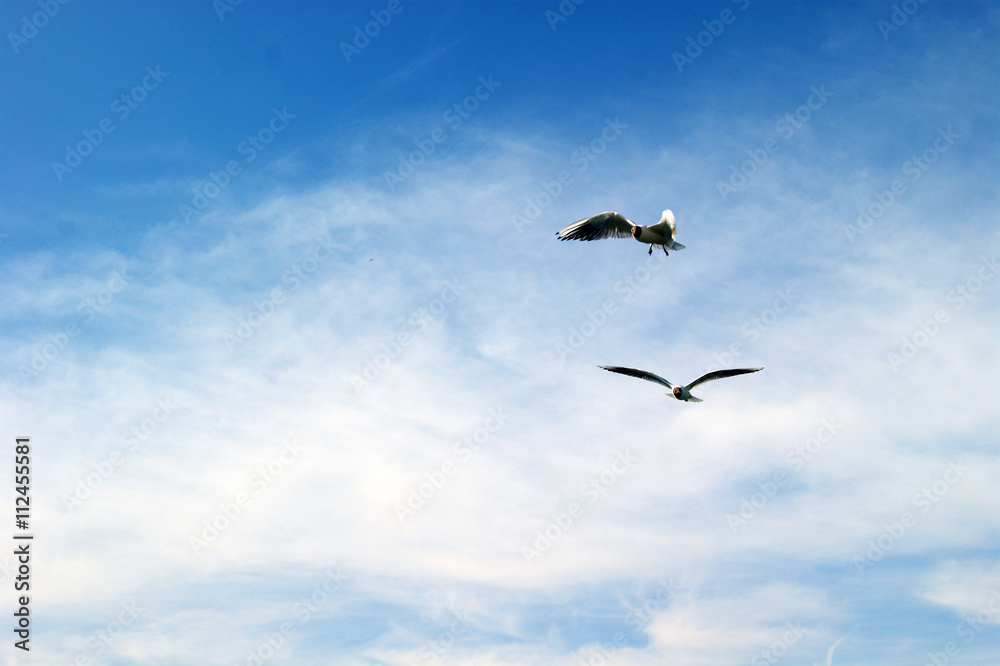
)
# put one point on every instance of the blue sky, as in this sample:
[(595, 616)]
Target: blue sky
[(310, 379)]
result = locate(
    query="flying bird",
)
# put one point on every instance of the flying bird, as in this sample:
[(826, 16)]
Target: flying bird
[(680, 392), (614, 225)]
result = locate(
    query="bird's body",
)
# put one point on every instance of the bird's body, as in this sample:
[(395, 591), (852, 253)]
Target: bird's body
[(615, 225), (679, 392)]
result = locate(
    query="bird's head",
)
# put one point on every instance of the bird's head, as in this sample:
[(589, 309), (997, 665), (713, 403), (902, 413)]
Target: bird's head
[(636, 231), (677, 392)]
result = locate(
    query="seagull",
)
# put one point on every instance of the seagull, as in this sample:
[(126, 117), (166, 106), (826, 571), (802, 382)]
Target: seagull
[(615, 225), (680, 392)]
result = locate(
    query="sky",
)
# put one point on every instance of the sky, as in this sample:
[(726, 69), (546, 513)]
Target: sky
[(308, 377)]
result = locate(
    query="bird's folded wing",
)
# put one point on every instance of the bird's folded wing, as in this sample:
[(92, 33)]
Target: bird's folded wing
[(602, 225), (641, 374), (667, 226)]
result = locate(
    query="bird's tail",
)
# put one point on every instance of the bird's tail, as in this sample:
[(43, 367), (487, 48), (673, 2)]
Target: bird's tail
[(676, 246), (693, 399)]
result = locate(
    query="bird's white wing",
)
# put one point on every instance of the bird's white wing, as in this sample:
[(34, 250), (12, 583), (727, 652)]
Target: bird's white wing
[(666, 226), (641, 374), (720, 374), (602, 225)]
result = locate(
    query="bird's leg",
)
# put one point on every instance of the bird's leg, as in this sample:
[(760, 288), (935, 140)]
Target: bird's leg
[(650, 248), (665, 253)]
